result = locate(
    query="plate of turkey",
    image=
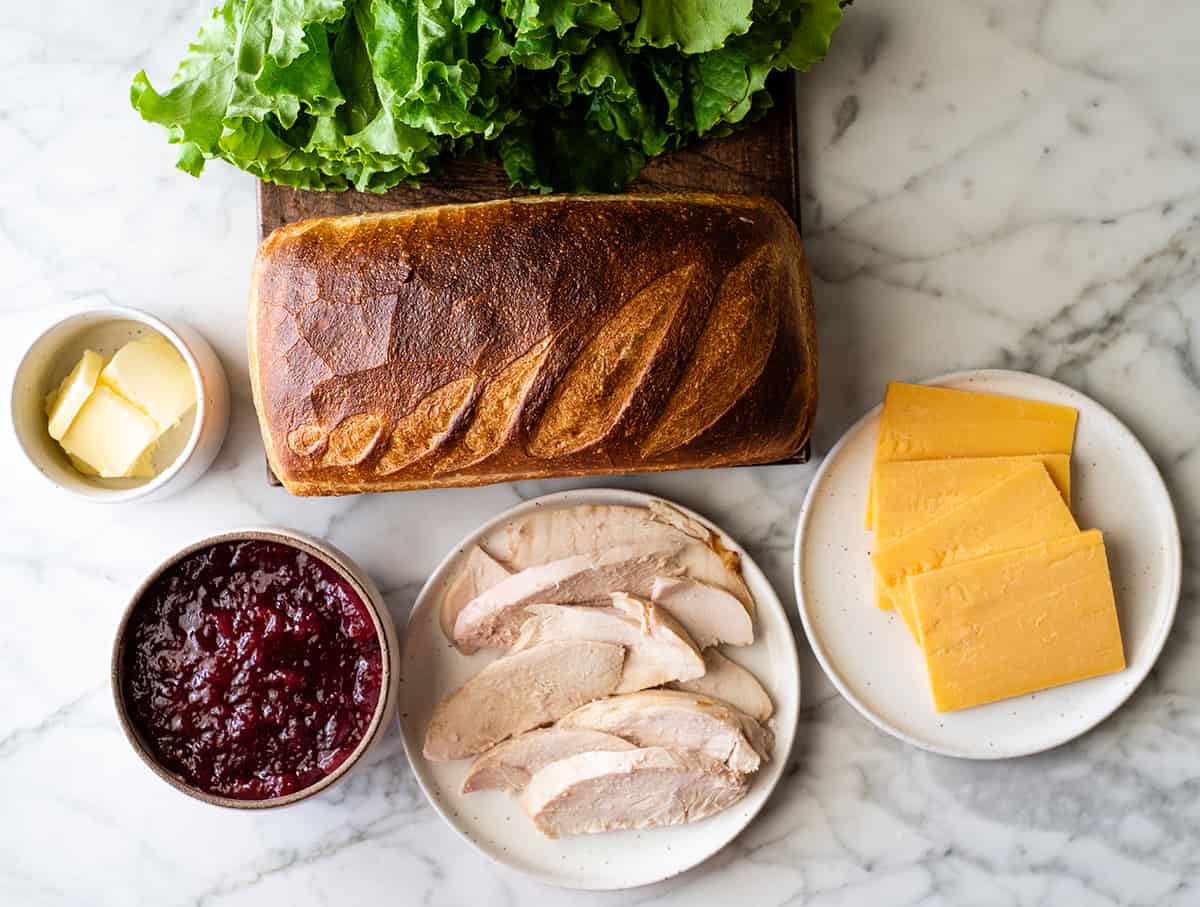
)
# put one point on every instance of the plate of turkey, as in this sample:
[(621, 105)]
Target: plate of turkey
[(599, 689)]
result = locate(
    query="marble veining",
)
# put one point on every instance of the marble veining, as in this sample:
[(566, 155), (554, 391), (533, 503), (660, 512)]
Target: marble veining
[(985, 184)]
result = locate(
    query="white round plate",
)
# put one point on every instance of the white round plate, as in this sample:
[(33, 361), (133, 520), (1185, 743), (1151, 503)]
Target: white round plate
[(868, 653), (492, 821)]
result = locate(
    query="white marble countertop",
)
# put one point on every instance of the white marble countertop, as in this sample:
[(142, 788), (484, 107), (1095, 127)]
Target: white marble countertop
[(1007, 184)]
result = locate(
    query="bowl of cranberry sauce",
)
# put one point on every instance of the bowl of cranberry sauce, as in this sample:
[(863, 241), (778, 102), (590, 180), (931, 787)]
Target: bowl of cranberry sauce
[(253, 669)]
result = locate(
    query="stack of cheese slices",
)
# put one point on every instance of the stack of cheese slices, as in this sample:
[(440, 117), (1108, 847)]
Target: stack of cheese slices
[(977, 549)]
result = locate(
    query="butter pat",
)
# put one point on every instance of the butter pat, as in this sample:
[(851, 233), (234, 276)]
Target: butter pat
[(63, 405), (151, 374), (1020, 621), (920, 422), (111, 437), (1023, 509)]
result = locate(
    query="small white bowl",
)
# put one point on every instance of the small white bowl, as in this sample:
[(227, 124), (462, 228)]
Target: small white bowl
[(190, 446)]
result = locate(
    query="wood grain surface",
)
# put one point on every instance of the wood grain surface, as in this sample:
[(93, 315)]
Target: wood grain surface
[(760, 160)]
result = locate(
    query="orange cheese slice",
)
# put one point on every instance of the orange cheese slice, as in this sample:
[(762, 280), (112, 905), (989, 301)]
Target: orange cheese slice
[(920, 422), (1023, 509), (910, 494), (1019, 621)]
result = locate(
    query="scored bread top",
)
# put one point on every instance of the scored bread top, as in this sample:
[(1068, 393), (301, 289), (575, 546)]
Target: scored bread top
[(526, 338)]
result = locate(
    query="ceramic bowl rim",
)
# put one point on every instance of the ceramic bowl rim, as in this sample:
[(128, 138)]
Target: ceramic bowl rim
[(348, 571)]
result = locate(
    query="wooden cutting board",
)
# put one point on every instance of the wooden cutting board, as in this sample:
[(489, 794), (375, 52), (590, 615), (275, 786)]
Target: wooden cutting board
[(760, 160)]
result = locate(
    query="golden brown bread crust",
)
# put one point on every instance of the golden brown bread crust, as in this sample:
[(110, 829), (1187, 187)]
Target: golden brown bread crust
[(527, 338)]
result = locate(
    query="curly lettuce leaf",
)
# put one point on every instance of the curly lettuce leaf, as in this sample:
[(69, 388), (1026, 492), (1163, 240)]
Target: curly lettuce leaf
[(570, 94), (193, 109), (695, 27)]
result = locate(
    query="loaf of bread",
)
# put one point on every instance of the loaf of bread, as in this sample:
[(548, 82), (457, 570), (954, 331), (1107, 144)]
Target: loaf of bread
[(532, 337)]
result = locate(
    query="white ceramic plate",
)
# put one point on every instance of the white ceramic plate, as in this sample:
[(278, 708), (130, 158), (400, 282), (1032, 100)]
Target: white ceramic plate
[(868, 653), (492, 821)]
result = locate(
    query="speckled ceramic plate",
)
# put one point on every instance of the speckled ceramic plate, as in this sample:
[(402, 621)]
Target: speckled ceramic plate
[(493, 822), (868, 653)]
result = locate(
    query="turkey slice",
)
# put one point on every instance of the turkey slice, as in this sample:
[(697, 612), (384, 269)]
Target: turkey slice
[(519, 692), (510, 765), (480, 572), (679, 720), (657, 649), (728, 681), (493, 619), (708, 613), (641, 788), (550, 535)]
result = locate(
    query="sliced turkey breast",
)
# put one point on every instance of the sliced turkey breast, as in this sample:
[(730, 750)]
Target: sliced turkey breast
[(493, 619), (663, 512), (510, 765), (480, 572), (730, 682), (519, 692), (679, 720), (657, 649), (642, 788), (708, 613), (550, 535)]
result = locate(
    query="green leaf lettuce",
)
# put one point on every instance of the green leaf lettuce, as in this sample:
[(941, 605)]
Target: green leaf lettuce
[(572, 95)]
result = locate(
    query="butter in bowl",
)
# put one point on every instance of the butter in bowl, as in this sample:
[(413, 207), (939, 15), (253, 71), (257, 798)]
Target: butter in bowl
[(110, 416), (114, 405)]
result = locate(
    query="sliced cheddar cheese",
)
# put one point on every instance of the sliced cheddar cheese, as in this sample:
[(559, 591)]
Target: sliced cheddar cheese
[(1019, 621), (920, 422), (1021, 510), (910, 494)]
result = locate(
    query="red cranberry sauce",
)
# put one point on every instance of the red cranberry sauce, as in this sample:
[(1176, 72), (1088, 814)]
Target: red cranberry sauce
[(252, 669)]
